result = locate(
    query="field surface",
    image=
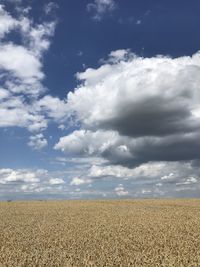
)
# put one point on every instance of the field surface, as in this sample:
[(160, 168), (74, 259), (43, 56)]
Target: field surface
[(100, 233)]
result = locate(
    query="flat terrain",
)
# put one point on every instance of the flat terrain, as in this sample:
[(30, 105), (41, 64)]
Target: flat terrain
[(100, 233)]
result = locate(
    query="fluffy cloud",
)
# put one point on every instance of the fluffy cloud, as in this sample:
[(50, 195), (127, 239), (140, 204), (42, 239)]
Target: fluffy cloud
[(120, 190), (134, 110), (6, 22), (87, 142), (142, 116), (19, 183), (152, 179), (37, 141), (21, 93), (100, 7), (80, 181), (140, 96), (56, 181), (14, 111), (14, 176), (20, 62), (53, 107), (151, 170), (162, 172)]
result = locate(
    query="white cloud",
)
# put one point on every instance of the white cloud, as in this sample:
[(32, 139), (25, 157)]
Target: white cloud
[(188, 181), (111, 170), (29, 187), (8, 176), (54, 107), (39, 37), (80, 181), (34, 182), (21, 70), (56, 181), (37, 141), (21, 62), (169, 177), (117, 55), (7, 22), (150, 170), (143, 180), (100, 7), (173, 173), (15, 112), (120, 191), (88, 142)]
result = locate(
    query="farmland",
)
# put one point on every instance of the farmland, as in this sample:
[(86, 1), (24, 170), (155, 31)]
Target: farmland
[(100, 233)]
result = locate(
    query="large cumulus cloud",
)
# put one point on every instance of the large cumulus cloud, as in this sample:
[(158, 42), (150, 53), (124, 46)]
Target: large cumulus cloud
[(133, 110)]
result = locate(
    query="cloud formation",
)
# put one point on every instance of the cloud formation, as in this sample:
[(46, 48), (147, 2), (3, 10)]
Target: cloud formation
[(152, 179), (17, 176), (134, 110), (80, 181), (20, 183), (21, 63), (56, 181), (120, 191), (22, 99), (135, 121), (37, 141)]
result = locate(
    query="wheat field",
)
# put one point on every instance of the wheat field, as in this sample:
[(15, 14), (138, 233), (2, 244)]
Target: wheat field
[(100, 233)]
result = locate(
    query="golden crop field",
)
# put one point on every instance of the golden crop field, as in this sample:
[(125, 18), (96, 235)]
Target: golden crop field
[(100, 233)]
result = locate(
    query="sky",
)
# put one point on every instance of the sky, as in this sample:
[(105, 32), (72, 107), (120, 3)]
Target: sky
[(99, 99)]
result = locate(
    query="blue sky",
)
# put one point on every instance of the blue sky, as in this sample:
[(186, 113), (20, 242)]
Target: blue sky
[(99, 99)]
